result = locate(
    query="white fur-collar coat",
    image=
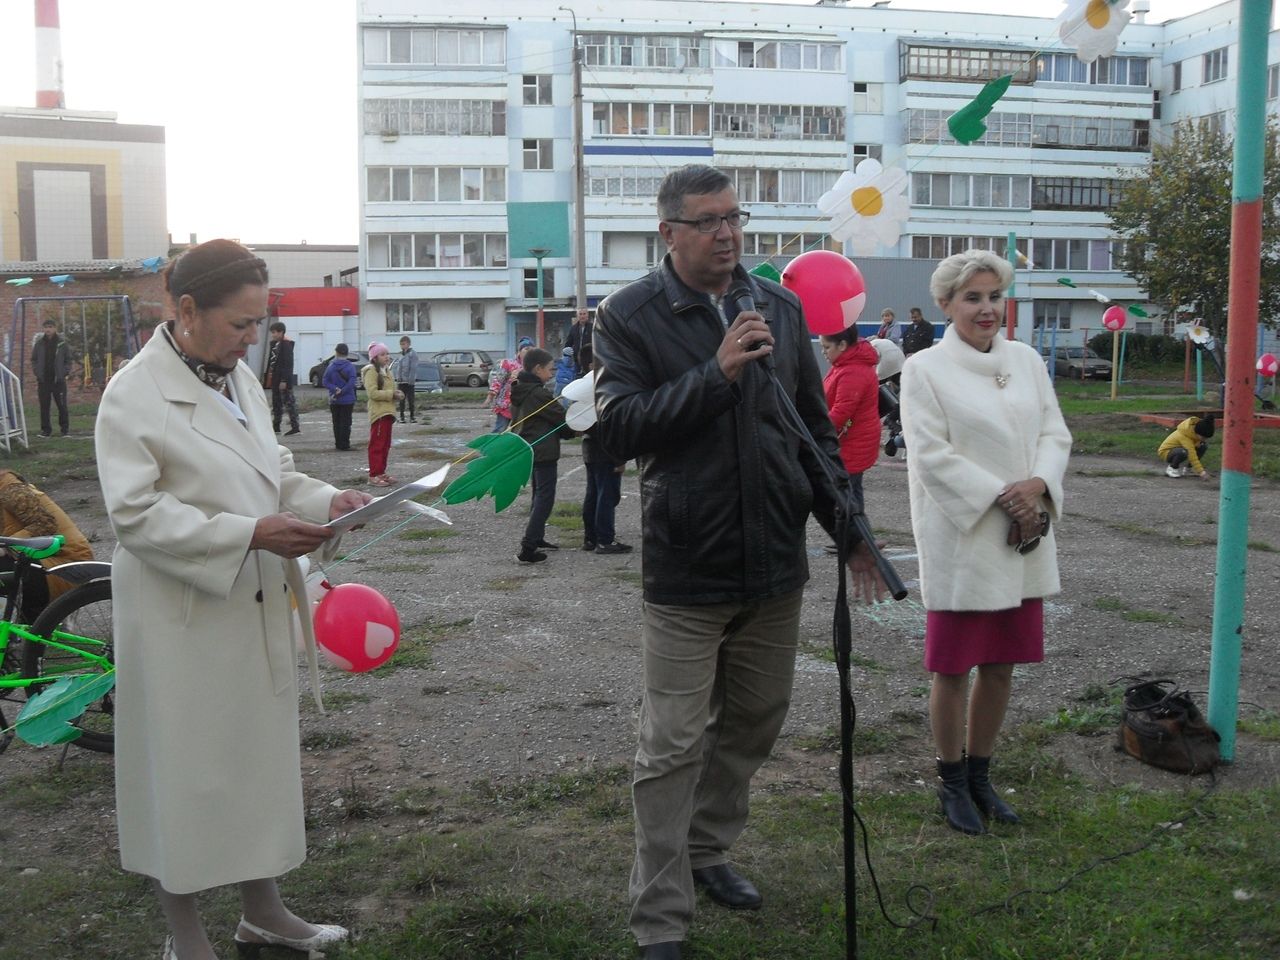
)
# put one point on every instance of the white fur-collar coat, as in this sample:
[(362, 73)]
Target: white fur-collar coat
[(967, 438)]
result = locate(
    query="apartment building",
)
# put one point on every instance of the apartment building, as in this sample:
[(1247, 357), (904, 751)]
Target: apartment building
[(467, 158)]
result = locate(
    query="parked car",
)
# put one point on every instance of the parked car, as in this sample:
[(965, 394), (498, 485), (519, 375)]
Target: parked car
[(358, 357), (1080, 363), (429, 379), (465, 367)]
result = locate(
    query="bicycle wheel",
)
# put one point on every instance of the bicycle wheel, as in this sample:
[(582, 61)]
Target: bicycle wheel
[(80, 619)]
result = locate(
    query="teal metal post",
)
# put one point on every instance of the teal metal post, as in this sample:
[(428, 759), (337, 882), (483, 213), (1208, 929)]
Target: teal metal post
[(1124, 342), (1242, 325), (1199, 373)]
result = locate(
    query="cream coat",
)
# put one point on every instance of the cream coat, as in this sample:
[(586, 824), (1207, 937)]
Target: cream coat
[(208, 782), (967, 438)]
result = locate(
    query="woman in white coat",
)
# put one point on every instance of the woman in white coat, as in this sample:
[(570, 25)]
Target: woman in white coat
[(209, 514), (987, 451)]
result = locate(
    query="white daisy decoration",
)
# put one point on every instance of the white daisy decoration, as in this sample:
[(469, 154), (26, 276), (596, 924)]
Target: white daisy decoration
[(1199, 333), (1093, 27), (867, 206)]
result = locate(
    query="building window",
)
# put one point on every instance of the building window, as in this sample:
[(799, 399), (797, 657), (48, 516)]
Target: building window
[(656, 119), (1072, 193), (1098, 256), (1053, 313), (996, 191), (537, 89), (868, 97), (477, 318), (431, 184), (631, 250), (1003, 129), (941, 247), (779, 55), (778, 121), (537, 154), (531, 283), (435, 118), (1216, 123), (787, 244), (408, 317), (430, 47), (863, 151), (781, 186), (967, 64), (1177, 76), (1090, 133), (1215, 65), (432, 250), (630, 182), (653, 52)]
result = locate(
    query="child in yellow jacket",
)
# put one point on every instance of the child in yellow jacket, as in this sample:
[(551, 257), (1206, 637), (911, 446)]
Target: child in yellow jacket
[(1185, 446)]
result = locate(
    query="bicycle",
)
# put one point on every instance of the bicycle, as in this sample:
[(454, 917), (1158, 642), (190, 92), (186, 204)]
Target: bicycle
[(71, 635)]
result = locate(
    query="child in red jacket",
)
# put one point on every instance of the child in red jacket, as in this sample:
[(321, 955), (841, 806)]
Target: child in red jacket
[(853, 392)]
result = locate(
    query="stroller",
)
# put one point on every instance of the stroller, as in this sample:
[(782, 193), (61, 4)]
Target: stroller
[(889, 373)]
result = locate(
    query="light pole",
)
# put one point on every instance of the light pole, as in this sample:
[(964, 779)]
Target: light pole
[(538, 253)]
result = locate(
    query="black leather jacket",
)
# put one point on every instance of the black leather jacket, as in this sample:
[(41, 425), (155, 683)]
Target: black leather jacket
[(726, 486)]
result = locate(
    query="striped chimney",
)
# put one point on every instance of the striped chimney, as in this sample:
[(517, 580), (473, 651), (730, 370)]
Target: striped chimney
[(48, 56)]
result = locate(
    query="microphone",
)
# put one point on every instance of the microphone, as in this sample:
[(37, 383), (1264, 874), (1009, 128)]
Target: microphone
[(741, 297)]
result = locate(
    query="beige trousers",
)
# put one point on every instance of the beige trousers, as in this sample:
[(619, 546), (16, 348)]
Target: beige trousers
[(717, 688)]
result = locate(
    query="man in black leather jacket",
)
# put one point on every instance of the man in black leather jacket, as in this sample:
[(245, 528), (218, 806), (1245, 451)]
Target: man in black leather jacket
[(683, 386)]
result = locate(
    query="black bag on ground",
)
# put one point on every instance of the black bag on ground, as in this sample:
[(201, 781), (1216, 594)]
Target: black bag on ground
[(1162, 726)]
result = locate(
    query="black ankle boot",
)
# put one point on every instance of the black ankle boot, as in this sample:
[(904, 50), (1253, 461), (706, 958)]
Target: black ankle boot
[(957, 804), (984, 795)]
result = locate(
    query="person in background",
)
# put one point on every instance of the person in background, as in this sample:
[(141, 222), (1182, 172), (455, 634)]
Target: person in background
[(579, 341), (500, 383), (600, 502), (853, 397), (28, 512), (405, 371), (566, 372), (987, 451), (919, 335), (280, 379), (209, 514), (381, 394), (1184, 447), (888, 327), (51, 363), (685, 386), (539, 419), (340, 380)]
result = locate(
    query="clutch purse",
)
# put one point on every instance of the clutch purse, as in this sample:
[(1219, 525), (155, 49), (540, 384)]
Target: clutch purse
[(1024, 544)]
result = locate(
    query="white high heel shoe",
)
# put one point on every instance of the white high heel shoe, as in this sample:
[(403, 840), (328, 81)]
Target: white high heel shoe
[(169, 952), (326, 933)]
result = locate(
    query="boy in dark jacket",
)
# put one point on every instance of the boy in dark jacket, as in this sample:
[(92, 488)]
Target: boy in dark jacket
[(538, 418), (340, 380)]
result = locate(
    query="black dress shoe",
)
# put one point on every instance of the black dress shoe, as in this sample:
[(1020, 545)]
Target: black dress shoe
[(614, 547), (728, 888), (589, 546), (292, 431), (667, 950)]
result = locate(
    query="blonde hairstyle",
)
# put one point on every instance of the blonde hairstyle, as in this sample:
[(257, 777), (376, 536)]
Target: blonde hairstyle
[(957, 270)]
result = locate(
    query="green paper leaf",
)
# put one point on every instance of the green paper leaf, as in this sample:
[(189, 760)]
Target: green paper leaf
[(1137, 311), (502, 469), (1067, 282), (966, 123), (46, 719), (768, 271)]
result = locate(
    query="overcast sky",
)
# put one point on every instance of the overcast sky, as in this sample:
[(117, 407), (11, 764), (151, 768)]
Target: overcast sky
[(258, 98)]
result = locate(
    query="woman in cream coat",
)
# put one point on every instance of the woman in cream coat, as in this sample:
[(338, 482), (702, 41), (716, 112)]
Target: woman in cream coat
[(986, 449), (203, 501)]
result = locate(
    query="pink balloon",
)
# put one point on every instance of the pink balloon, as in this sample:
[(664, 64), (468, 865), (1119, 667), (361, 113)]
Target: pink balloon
[(1268, 364), (357, 628), (1113, 318), (830, 289)]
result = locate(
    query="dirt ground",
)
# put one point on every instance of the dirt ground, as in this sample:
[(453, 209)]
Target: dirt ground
[(536, 669)]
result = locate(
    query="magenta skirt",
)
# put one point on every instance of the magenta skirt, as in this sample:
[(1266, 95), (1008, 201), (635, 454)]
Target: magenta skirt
[(955, 641)]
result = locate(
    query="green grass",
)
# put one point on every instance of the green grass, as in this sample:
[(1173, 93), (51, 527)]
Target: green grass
[(566, 516), (1116, 605), (537, 869), (327, 739), (414, 651), (430, 533), (1096, 711), (1265, 725)]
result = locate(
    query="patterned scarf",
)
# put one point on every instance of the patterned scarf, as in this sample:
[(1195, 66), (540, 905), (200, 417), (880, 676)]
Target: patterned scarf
[(209, 374)]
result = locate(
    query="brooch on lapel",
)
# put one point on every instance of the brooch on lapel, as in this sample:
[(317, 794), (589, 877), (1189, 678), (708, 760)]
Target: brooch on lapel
[(1001, 380)]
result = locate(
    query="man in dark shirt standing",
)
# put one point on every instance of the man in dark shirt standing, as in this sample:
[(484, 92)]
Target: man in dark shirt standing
[(919, 335), (51, 362), (279, 379)]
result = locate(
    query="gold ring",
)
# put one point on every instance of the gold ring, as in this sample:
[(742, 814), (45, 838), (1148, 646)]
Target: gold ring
[(739, 341)]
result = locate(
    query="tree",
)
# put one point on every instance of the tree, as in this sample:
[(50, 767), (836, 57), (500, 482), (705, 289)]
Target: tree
[(1175, 221)]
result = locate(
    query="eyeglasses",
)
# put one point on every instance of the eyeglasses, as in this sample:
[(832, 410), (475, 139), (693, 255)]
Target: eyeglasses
[(710, 223)]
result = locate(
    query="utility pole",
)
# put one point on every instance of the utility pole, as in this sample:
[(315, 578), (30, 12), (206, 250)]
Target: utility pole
[(579, 180)]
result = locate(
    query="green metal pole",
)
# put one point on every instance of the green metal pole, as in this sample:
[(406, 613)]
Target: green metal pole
[(1242, 326)]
